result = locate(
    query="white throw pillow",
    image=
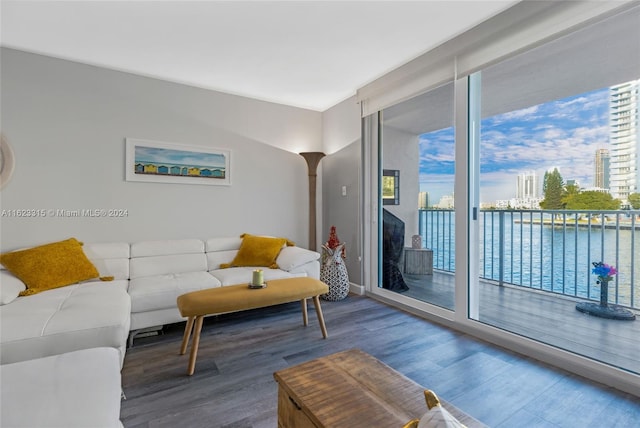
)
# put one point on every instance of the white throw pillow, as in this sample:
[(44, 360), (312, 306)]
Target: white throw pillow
[(10, 287), (290, 258), (437, 416)]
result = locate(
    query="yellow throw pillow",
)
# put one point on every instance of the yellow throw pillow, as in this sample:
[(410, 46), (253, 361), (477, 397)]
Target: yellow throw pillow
[(258, 251), (50, 266)]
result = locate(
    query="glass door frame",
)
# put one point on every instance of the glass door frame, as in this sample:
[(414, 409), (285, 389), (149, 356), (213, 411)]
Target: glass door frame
[(372, 214), (466, 199)]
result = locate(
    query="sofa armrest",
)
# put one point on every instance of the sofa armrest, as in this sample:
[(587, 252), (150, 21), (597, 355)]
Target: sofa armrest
[(311, 270), (291, 258), (75, 389)]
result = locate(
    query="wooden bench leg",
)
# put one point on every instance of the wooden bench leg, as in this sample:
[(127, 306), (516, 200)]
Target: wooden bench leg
[(316, 302), (194, 345), (187, 335), (305, 317)]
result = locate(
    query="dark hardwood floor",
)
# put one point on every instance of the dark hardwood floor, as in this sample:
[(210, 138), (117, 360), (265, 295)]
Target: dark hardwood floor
[(546, 317), (233, 386)]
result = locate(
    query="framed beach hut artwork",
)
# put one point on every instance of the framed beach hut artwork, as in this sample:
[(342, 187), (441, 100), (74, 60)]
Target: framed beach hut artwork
[(159, 162)]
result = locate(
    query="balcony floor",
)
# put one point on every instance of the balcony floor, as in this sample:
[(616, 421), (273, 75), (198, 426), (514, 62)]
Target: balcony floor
[(549, 318)]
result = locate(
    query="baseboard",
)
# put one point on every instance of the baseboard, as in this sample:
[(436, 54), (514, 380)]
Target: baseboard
[(356, 289)]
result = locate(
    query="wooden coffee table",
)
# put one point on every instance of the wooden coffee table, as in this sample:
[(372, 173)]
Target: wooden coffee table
[(351, 389), (233, 298)]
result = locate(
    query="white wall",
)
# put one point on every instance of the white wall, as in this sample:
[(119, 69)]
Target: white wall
[(341, 168), (67, 123), (341, 125), (400, 151)]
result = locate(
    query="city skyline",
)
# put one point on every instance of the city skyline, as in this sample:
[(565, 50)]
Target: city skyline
[(561, 134)]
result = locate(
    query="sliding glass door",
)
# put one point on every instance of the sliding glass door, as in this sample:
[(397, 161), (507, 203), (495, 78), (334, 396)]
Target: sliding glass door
[(416, 176), (542, 150), (559, 147)]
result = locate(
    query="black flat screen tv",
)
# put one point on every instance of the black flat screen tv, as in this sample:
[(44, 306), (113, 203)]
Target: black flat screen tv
[(392, 248)]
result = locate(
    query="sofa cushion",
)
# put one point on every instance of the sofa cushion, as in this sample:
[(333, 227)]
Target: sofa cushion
[(79, 316), (221, 250), (10, 287), (258, 251), (141, 267), (166, 247), (110, 258), (50, 266), (216, 259), (75, 389), (243, 275), (293, 257), (149, 293), (223, 244), (150, 258)]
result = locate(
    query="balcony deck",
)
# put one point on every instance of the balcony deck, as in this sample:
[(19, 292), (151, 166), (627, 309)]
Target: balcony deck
[(546, 317)]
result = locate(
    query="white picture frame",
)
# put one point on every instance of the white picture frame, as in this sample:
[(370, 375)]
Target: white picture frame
[(163, 162)]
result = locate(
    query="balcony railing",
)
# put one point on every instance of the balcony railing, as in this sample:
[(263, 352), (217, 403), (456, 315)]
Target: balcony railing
[(551, 251)]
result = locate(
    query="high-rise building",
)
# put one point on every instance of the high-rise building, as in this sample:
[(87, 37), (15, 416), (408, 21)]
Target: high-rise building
[(527, 185), (572, 182), (423, 200), (446, 202), (624, 138), (602, 169)]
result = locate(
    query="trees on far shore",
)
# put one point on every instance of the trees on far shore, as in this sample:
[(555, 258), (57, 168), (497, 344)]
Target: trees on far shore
[(553, 189), (591, 200), (557, 196)]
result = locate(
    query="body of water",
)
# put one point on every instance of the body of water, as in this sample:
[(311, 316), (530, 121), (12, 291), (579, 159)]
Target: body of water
[(547, 251)]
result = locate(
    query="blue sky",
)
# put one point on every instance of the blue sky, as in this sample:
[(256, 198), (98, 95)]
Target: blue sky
[(564, 134)]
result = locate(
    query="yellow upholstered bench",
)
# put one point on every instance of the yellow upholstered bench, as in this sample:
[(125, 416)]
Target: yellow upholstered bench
[(198, 304)]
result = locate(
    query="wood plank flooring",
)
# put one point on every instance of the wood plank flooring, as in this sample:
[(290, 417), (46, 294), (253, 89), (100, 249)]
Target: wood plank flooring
[(546, 317), (233, 385)]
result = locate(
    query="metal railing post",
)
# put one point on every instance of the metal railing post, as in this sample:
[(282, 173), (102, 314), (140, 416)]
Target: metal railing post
[(501, 249), (544, 257)]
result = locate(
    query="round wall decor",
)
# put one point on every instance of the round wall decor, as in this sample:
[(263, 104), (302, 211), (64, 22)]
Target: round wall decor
[(7, 162)]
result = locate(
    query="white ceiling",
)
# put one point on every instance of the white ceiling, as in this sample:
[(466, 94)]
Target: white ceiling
[(309, 54)]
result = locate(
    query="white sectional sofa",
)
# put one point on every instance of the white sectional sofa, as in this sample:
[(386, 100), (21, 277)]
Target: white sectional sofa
[(79, 316), (162, 270), (77, 389), (147, 276)]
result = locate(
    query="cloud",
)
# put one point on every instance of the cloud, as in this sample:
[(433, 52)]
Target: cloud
[(553, 133), (527, 114), (437, 155), (565, 133)]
